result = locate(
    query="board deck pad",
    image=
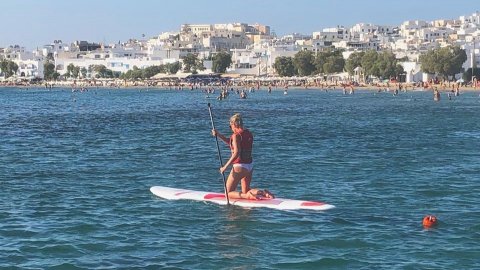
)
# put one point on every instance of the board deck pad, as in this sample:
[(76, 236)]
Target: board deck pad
[(219, 198)]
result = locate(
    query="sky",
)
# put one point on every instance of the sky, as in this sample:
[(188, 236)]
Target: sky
[(35, 23)]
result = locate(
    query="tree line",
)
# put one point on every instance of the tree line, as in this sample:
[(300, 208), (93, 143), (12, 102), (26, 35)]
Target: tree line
[(307, 63), (445, 62)]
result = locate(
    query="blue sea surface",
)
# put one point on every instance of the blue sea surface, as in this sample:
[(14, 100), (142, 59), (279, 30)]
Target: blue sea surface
[(76, 168)]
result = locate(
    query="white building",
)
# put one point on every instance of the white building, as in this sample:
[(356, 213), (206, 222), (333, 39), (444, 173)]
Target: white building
[(30, 69), (409, 29), (291, 38), (30, 64), (218, 37), (54, 48), (259, 60), (472, 49), (226, 41), (433, 34), (361, 31), (373, 44), (472, 19), (119, 59), (16, 53), (331, 34)]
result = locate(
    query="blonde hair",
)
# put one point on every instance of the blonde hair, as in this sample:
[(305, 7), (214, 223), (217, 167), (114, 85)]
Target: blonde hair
[(236, 120)]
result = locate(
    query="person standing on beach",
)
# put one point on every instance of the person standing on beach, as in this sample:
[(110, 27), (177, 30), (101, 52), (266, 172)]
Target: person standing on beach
[(241, 146)]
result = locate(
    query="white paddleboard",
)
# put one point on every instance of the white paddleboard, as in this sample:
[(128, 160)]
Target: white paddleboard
[(219, 198)]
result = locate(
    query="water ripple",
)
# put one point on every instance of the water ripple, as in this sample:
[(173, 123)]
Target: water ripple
[(76, 170)]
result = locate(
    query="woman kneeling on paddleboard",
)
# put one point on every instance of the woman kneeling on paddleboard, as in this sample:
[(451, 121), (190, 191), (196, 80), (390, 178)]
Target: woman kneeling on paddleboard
[(241, 145)]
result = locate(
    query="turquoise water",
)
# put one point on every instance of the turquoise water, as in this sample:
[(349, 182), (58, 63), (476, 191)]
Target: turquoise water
[(76, 168)]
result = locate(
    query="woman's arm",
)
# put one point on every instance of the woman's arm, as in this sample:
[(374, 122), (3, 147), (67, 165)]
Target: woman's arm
[(235, 153), (220, 135)]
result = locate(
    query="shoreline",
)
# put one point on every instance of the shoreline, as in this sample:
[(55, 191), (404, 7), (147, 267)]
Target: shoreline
[(187, 86)]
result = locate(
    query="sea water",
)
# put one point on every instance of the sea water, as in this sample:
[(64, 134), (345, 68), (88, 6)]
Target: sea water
[(76, 168)]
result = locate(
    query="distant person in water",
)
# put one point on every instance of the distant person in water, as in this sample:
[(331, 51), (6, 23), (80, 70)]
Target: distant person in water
[(241, 145), (436, 94), (243, 94)]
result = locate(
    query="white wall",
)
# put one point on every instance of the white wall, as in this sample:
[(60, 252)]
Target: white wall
[(413, 71)]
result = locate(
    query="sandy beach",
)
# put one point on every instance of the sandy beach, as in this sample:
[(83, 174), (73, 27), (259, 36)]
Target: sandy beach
[(238, 84)]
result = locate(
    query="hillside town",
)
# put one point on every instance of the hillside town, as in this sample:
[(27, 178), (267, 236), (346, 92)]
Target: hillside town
[(253, 49)]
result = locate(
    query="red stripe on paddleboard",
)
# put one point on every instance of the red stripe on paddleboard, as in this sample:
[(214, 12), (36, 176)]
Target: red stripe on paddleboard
[(214, 196), (312, 204)]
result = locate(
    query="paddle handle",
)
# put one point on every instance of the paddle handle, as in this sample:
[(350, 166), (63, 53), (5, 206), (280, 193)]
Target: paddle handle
[(219, 155)]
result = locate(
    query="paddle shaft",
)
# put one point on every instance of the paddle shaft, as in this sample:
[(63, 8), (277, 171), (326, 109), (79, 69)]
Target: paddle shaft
[(219, 156)]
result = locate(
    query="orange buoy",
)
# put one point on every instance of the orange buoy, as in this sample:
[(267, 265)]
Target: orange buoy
[(429, 221)]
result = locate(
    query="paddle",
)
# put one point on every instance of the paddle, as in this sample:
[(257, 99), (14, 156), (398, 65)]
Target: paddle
[(219, 156)]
